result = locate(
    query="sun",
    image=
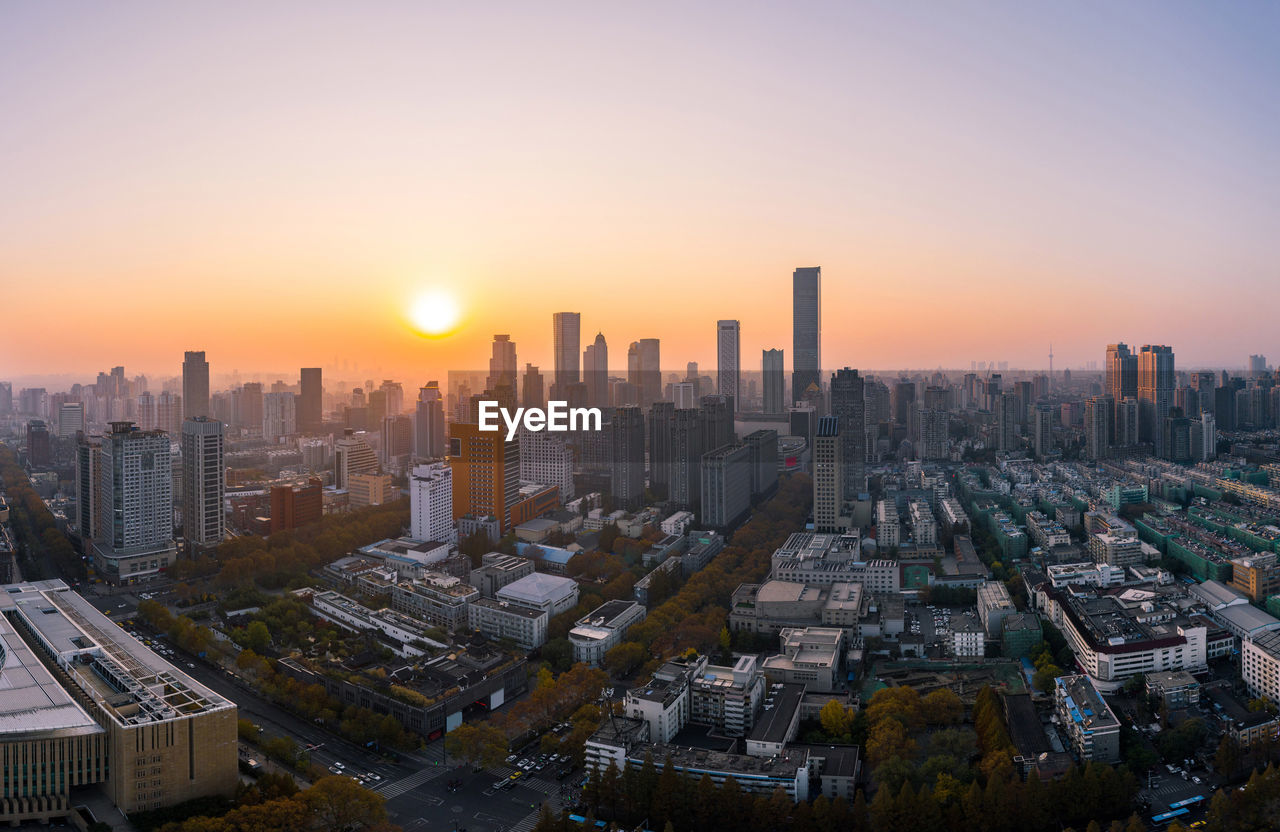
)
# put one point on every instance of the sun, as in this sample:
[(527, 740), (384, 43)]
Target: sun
[(435, 312)]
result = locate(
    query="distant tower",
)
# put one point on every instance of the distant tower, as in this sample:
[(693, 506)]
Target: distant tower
[(195, 384), (567, 338), (806, 329), (595, 371), (728, 360), (310, 400), (203, 481), (1050, 365)]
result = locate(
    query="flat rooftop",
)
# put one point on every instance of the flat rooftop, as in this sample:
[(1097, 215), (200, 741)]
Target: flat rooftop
[(32, 703), (779, 711)]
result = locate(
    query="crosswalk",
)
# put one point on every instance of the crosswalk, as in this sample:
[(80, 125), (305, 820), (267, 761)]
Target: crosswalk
[(413, 781), (530, 820)]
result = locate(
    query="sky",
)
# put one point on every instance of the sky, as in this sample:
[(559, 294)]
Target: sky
[(276, 183)]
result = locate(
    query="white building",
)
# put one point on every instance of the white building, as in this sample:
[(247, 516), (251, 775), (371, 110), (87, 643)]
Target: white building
[(1260, 665), (994, 604), (431, 502), (967, 640), (811, 656), (678, 523), (204, 481), (888, 533), (603, 629), (924, 528), (540, 591), (547, 460), (502, 620), (1085, 574), (352, 455), (279, 415), (135, 494)]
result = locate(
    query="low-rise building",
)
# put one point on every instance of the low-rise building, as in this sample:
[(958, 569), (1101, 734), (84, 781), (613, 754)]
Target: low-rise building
[(811, 656), (525, 626), (1084, 574), (603, 628), (440, 600), (540, 591), (1020, 632), (1090, 725), (967, 638), (1176, 688), (994, 603), (405, 636), (497, 570), (677, 523)]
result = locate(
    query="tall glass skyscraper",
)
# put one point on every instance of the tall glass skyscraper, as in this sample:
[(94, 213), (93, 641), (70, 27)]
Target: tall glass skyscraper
[(728, 360), (567, 337), (774, 399), (195, 384), (806, 329)]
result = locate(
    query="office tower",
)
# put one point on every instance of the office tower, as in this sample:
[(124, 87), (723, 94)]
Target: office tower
[(687, 447), (6, 398), (195, 385), (70, 419), (1224, 407), (932, 428), (545, 458), (1257, 366), (1122, 374), (352, 455), (1155, 394), (1127, 432), (1204, 381), (39, 444), (1099, 426), (203, 481), (145, 410), (1176, 439), (311, 400), (684, 394), (848, 406), (806, 330), (876, 401), (595, 371), (717, 422), (135, 504), (644, 370), (828, 475), (762, 453), (376, 409), (728, 360), (169, 413), (252, 405), (428, 423), (661, 424), (725, 486), (626, 457), (397, 441), (802, 421), (1007, 419), (279, 416), (431, 503), (532, 390), (393, 398), (566, 333), (1042, 430), (486, 473), (903, 401), (88, 477), (774, 381)]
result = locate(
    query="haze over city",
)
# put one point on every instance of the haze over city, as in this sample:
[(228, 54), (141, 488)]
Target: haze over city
[(277, 189)]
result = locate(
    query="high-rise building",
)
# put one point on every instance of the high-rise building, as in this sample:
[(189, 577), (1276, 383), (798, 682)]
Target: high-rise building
[(828, 476), (567, 333), (1008, 417), (1207, 448), (545, 458), (626, 457), (352, 455), (502, 364), (1155, 394), (1099, 426), (88, 481), (644, 370), (279, 415), (533, 390), (311, 400), (848, 406), (1257, 366), (393, 398), (1127, 433), (806, 329), (661, 424), (39, 444), (296, 504), (486, 473), (135, 504), (729, 360), (932, 432), (903, 400), (169, 413), (6, 398), (203, 481), (195, 384), (684, 483), (431, 503), (595, 371), (70, 419), (428, 423), (726, 485), (717, 422), (397, 441), (773, 376), (251, 405), (1042, 430)]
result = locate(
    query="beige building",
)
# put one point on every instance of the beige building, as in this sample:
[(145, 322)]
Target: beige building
[(370, 490), (101, 708)]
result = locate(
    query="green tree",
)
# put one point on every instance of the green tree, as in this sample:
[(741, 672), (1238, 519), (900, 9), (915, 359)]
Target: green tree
[(257, 637)]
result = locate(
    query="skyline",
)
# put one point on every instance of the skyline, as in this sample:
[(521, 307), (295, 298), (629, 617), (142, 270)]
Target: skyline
[(1041, 165)]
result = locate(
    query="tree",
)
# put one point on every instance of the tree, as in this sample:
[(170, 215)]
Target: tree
[(836, 719), (942, 707), (888, 739), (340, 804), (558, 652), (1227, 760), (624, 658), (257, 637), (476, 743)]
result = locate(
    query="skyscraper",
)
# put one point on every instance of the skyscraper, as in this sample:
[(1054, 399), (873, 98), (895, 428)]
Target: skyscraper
[(1008, 416), (685, 482), (1042, 430), (195, 384), (1257, 366), (502, 364), (311, 400), (717, 423), (428, 423), (352, 455), (486, 473), (650, 378), (135, 504), (806, 330), (828, 476), (595, 371), (626, 457), (279, 415), (774, 382), (1099, 426), (88, 481), (1155, 393), (661, 424), (566, 333), (848, 406), (203, 481), (728, 361), (532, 389), (1122, 375), (431, 503)]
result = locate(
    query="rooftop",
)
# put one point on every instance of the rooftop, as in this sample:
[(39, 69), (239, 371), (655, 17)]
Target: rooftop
[(779, 711), (1083, 703)]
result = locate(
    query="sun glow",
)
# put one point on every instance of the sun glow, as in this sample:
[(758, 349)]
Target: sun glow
[(435, 313)]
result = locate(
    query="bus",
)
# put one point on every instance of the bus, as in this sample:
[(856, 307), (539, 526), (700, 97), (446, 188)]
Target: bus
[(1168, 817), (1189, 803)]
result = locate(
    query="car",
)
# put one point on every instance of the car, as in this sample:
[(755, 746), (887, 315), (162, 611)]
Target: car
[(511, 758), (1196, 780), (340, 765), (516, 776), (540, 766), (191, 665), (374, 777)]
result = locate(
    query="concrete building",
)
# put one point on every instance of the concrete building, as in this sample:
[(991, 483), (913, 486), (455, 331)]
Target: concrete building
[(994, 603), (497, 570), (1116, 550), (545, 458), (88, 704), (1177, 689), (551, 593), (967, 638), (352, 455), (407, 637), (811, 656), (677, 523), (366, 490), (1091, 727), (204, 482), (431, 502), (1257, 576), (828, 477), (524, 626), (888, 525), (1260, 665), (135, 505), (603, 629), (195, 385), (279, 415), (440, 600), (726, 486)]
